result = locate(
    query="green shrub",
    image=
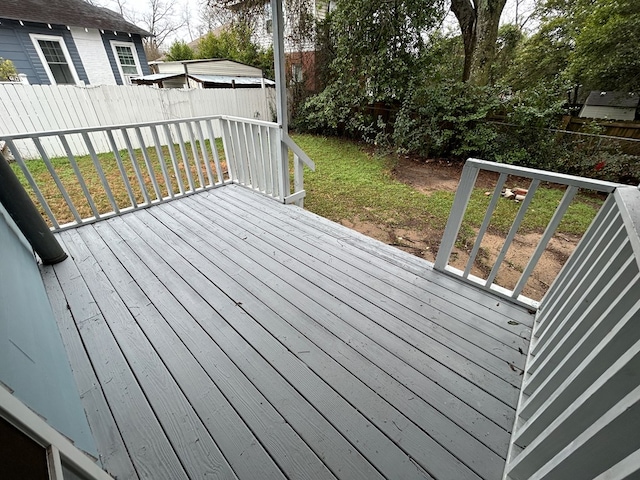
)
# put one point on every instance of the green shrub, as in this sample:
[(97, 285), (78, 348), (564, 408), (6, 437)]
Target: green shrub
[(7, 70), (446, 119)]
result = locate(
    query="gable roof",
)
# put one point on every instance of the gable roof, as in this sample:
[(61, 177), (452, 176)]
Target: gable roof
[(612, 99), (73, 13)]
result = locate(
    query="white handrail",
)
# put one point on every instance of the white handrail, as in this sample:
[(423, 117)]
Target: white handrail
[(580, 399), (155, 161), (463, 194)]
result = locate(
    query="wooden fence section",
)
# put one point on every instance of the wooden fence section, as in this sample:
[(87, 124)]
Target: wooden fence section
[(580, 401), (40, 108)]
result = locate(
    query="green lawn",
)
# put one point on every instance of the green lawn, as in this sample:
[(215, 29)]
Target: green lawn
[(351, 182)]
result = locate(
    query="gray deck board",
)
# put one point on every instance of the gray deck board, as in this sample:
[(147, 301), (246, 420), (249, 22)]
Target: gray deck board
[(229, 336), (114, 456), (432, 370), (451, 300), (411, 310)]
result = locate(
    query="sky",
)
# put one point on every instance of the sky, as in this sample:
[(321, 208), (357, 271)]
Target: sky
[(136, 9)]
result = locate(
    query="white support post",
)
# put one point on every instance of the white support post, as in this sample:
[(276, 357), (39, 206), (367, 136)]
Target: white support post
[(281, 96)]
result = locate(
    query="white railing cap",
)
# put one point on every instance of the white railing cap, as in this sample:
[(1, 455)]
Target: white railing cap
[(543, 175)]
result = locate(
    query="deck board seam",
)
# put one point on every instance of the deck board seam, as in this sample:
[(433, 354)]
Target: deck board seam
[(90, 361), (261, 355), (127, 359), (320, 347), (213, 340), (437, 360), (61, 238), (306, 367), (153, 345)]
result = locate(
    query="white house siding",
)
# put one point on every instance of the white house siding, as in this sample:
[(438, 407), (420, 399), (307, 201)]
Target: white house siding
[(94, 57), (265, 39)]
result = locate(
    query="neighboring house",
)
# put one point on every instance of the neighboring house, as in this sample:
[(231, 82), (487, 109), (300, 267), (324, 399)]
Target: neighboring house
[(610, 105), (300, 49), (207, 73), (56, 42)]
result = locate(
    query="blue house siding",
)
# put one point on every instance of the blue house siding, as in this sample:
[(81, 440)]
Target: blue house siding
[(11, 48), (23, 34), (20, 49), (136, 39), (33, 361)]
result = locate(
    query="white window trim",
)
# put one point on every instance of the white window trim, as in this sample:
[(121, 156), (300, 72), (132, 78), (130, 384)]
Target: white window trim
[(58, 446), (54, 38), (134, 50)]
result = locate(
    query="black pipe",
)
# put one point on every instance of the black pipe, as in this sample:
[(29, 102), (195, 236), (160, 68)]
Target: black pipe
[(19, 205)]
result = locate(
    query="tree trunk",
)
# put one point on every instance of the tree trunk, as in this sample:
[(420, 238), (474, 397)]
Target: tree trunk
[(487, 23), (466, 14), (479, 25)]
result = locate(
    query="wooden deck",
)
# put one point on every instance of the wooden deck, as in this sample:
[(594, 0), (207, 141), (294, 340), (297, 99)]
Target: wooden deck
[(225, 335)]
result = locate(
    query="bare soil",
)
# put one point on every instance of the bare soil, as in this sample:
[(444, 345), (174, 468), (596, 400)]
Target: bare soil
[(438, 175)]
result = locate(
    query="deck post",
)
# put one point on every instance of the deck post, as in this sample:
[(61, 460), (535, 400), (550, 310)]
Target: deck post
[(281, 96)]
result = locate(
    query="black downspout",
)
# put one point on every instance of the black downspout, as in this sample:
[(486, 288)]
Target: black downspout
[(22, 210)]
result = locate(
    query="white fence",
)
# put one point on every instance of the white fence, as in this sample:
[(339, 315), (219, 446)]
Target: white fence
[(578, 415), (41, 108), (467, 182)]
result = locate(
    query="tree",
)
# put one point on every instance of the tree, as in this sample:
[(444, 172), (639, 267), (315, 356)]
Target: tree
[(379, 44), (7, 70), (593, 43), (179, 50), (235, 43), (605, 56), (479, 21), (161, 20)]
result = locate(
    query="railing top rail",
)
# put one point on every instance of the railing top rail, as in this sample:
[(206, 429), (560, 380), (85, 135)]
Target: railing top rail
[(628, 200), (299, 152), (102, 128), (251, 121), (561, 178)]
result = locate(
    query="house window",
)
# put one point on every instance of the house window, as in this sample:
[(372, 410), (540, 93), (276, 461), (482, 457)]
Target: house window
[(55, 59), (127, 60), (296, 73)]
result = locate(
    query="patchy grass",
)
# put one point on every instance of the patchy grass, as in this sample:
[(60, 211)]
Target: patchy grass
[(353, 183), (109, 165)]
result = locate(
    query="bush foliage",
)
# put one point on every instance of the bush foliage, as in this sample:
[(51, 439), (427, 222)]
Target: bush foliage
[(402, 89)]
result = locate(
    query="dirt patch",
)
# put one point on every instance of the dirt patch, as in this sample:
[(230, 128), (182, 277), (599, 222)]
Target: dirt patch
[(428, 176), (438, 175)]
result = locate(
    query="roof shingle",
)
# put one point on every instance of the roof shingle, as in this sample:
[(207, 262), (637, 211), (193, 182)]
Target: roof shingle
[(73, 13)]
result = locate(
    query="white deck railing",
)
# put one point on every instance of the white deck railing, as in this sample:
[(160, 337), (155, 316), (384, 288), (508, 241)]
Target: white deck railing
[(463, 194), (155, 162), (579, 410)]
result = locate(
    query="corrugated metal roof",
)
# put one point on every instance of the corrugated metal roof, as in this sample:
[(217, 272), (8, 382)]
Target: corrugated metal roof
[(211, 66), (73, 13), (612, 99), (230, 79), (154, 77)]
